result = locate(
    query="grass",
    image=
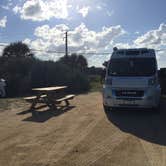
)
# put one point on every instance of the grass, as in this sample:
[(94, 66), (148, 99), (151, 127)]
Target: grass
[(8, 103), (4, 104), (95, 83)]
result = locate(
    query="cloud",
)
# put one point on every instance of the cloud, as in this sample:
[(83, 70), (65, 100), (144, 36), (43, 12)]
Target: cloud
[(40, 10), (84, 40), (109, 13), (98, 7), (84, 11), (16, 9), (137, 32), (3, 22), (154, 38), (2, 46), (1, 50), (80, 40), (5, 7), (123, 45)]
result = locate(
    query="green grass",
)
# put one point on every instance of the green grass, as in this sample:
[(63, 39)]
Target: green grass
[(95, 83), (4, 104), (8, 103)]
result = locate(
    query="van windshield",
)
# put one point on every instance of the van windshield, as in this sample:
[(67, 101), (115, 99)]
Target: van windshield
[(132, 67)]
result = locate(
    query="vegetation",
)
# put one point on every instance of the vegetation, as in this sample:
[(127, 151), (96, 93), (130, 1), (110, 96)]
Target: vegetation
[(75, 61), (23, 72), (95, 83), (17, 49)]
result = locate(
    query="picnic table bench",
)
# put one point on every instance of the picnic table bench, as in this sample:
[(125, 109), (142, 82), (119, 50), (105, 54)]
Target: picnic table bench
[(50, 96)]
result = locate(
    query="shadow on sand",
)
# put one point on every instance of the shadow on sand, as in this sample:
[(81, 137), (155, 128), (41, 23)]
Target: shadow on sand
[(42, 116), (145, 124)]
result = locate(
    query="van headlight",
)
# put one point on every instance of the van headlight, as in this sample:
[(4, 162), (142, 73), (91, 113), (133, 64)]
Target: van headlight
[(108, 81)]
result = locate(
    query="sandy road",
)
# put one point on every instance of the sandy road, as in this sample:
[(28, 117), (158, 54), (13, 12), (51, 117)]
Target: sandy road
[(83, 135)]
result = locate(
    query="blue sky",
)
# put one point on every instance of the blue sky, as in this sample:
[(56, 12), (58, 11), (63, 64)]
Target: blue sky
[(94, 26)]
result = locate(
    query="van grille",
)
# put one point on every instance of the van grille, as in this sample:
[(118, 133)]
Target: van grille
[(129, 93)]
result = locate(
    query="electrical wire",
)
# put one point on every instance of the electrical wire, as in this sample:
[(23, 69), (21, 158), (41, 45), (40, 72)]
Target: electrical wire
[(61, 52)]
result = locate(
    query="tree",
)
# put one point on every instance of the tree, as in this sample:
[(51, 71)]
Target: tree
[(17, 49), (75, 61), (82, 62)]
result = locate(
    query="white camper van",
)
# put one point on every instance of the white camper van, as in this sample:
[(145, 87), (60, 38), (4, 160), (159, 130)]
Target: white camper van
[(132, 79)]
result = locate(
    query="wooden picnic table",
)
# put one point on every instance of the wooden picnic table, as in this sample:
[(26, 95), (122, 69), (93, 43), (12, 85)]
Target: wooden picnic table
[(51, 96), (49, 89)]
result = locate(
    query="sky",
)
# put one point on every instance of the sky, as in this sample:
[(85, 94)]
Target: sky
[(94, 26)]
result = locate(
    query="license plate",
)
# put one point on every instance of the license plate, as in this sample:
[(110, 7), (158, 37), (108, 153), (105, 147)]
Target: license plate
[(126, 102)]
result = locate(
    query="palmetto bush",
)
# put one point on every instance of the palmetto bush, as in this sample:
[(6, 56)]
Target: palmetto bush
[(24, 73)]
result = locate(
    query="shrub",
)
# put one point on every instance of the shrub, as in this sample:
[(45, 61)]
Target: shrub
[(23, 74)]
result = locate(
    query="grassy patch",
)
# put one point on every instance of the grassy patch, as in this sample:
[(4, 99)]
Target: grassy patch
[(4, 104), (8, 103), (95, 83)]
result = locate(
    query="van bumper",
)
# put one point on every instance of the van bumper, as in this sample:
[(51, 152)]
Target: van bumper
[(150, 99)]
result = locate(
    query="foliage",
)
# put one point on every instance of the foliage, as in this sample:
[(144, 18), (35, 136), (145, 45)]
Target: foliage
[(16, 71), (17, 49), (23, 74), (75, 61), (95, 83)]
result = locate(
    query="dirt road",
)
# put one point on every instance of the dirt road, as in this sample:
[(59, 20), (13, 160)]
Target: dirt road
[(82, 135)]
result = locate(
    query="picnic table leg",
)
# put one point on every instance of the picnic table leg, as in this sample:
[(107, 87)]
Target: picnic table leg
[(67, 102), (34, 103), (51, 102)]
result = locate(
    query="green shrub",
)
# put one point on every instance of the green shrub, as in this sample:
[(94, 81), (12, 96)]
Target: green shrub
[(23, 74)]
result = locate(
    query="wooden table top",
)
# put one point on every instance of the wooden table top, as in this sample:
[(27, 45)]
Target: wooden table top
[(47, 89)]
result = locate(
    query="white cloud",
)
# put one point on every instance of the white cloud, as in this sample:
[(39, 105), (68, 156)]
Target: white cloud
[(99, 7), (83, 40), (1, 50), (109, 13), (16, 9), (84, 11), (40, 10), (154, 38), (2, 46), (3, 22), (137, 32), (5, 7), (80, 40), (122, 45)]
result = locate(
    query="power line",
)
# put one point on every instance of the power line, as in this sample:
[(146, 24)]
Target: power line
[(66, 49)]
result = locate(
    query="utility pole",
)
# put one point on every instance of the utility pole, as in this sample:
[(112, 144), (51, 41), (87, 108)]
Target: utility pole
[(66, 43)]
